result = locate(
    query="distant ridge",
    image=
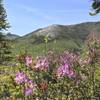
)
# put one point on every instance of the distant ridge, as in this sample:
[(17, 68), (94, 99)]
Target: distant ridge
[(66, 36), (69, 31), (12, 36)]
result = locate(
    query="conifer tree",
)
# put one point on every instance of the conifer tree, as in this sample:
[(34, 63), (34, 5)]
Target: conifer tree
[(4, 43)]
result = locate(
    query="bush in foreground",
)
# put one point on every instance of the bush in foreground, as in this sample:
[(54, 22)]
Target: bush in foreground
[(65, 76)]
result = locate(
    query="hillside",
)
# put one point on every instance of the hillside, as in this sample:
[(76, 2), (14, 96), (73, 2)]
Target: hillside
[(11, 36), (61, 37)]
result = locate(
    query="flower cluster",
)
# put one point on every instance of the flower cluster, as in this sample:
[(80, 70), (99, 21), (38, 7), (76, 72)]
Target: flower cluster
[(21, 78), (30, 87), (68, 58), (42, 64), (65, 70), (28, 61)]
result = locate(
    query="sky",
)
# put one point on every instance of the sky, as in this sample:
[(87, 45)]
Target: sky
[(26, 16)]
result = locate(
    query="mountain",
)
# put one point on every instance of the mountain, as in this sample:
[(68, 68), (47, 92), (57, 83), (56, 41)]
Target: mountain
[(12, 36), (61, 37)]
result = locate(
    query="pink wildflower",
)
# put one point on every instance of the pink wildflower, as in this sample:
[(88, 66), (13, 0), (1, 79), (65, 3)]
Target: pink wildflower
[(20, 78), (28, 60), (42, 64), (28, 91), (61, 71), (70, 73), (68, 58), (65, 70)]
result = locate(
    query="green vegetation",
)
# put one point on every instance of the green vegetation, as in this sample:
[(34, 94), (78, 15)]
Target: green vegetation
[(63, 76)]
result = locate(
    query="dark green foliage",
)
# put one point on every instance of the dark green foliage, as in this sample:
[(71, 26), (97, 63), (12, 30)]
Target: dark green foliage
[(4, 43), (96, 7), (3, 16), (5, 49)]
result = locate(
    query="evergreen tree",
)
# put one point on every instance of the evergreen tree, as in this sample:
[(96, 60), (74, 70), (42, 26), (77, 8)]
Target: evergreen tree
[(4, 43), (3, 21)]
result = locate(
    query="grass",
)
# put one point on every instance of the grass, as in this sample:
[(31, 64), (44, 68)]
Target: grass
[(39, 49)]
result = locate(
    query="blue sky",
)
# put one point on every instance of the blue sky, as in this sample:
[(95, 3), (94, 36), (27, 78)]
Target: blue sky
[(26, 16)]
